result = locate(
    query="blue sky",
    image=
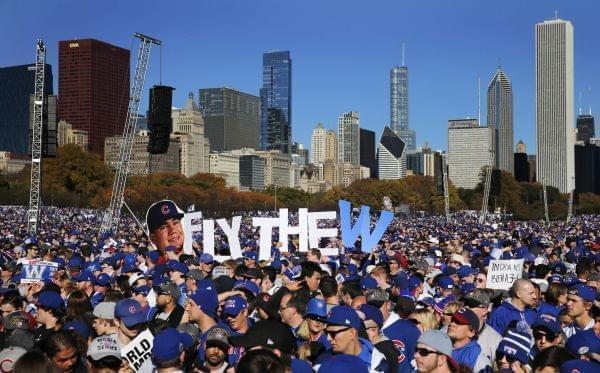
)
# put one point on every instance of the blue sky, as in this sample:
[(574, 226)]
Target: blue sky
[(341, 50)]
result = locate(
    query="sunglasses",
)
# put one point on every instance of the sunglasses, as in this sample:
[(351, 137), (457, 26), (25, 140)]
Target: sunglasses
[(425, 352), (510, 359), (548, 336), (334, 333)]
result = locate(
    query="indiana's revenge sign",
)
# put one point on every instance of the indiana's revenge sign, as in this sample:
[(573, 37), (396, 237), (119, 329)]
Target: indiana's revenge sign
[(308, 231)]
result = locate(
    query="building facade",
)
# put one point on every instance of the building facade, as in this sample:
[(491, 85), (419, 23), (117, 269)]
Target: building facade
[(367, 151), (9, 165), (469, 150), (141, 162), (68, 135), (331, 145), (522, 173), (349, 138), (587, 169), (500, 116), (252, 172), (554, 104), (93, 88), (231, 118), (276, 102), (318, 144), (277, 168), (16, 86), (188, 128), (390, 165), (585, 128), (227, 166)]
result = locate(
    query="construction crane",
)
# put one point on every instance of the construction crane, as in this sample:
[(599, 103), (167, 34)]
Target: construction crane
[(445, 179), (486, 188), (33, 213), (110, 220)]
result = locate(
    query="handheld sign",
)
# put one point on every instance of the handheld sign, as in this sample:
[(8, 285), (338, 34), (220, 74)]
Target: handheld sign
[(37, 270), (138, 352), (503, 273)]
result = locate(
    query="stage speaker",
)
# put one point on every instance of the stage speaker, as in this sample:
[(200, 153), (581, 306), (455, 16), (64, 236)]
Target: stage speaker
[(496, 188), (160, 124)]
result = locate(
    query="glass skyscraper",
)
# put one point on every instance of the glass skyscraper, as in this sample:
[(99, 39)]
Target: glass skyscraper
[(500, 116), (399, 106), (276, 102), (16, 85)]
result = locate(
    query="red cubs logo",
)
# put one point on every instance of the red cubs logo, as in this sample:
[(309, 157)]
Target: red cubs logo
[(164, 209), (400, 347), (131, 309)]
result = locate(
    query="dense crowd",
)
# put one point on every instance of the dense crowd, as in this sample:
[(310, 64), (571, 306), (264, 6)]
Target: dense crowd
[(416, 302)]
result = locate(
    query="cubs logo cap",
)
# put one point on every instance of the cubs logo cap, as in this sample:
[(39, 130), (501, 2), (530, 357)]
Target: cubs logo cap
[(160, 212)]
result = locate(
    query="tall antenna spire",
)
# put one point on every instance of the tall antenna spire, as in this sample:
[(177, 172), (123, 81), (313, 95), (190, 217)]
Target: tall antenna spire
[(590, 98), (555, 13), (579, 102), (403, 64), (478, 100)]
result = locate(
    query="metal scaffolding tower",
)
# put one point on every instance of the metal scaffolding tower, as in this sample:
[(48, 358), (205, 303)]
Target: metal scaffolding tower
[(545, 202), (33, 214), (570, 213), (110, 221), (445, 178), (486, 188)]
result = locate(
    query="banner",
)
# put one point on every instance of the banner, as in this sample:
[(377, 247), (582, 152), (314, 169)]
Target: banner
[(138, 352), (37, 270), (503, 273)]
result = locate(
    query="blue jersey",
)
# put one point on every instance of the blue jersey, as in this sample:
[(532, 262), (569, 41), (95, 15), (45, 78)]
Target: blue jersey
[(404, 335), (507, 316)]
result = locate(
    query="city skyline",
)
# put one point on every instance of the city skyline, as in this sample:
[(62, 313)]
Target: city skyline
[(322, 87)]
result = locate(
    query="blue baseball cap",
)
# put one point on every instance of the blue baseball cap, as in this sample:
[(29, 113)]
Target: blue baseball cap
[(250, 255), (248, 285), (372, 313), (76, 262), (84, 276), (129, 311), (129, 267), (413, 283), (168, 344), (465, 271), (548, 322), (316, 308), (400, 281), (160, 212), (102, 280), (344, 316), (206, 258), (178, 267), (449, 271), (445, 282), (207, 301), (579, 366), (50, 299), (585, 292), (234, 305), (368, 283), (344, 363)]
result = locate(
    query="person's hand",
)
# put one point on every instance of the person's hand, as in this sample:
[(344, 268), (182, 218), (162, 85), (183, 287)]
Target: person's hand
[(294, 285)]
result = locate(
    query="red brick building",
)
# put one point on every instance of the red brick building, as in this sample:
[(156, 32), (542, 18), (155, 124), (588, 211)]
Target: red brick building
[(93, 88)]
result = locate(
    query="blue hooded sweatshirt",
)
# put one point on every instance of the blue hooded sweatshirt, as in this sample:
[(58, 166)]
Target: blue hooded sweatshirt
[(507, 314)]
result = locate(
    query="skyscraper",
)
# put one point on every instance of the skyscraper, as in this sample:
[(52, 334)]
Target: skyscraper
[(585, 128), (188, 127), (469, 147), (389, 156), (554, 104), (500, 116), (331, 145), (16, 85), (349, 138), (399, 104), (93, 88), (231, 118), (276, 102), (367, 151), (317, 144)]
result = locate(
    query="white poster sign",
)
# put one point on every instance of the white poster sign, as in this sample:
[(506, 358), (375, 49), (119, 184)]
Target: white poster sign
[(503, 273), (138, 352)]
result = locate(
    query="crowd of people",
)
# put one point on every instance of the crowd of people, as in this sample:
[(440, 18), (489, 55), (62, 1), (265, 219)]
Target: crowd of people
[(417, 302)]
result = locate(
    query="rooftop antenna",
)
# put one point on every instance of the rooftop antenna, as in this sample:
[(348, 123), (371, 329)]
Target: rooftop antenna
[(579, 102), (590, 98), (499, 62), (403, 64), (478, 100), (555, 13)]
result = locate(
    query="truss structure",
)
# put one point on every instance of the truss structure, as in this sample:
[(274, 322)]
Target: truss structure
[(486, 188)]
